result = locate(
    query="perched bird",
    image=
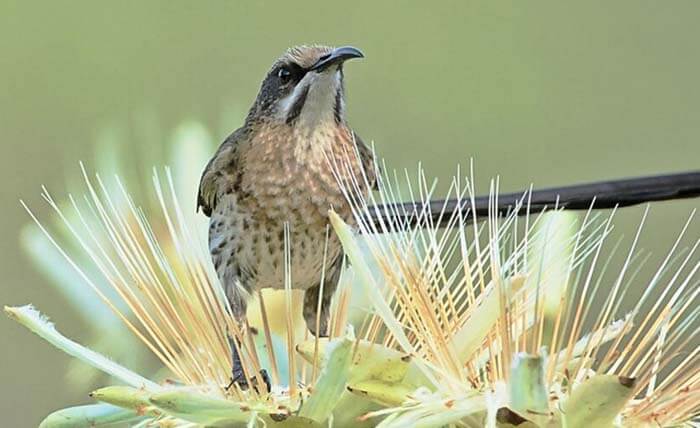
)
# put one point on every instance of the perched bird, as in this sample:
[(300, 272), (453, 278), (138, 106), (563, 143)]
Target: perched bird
[(277, 169)]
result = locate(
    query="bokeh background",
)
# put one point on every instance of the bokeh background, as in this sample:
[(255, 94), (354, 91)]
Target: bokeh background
[(541, 92)]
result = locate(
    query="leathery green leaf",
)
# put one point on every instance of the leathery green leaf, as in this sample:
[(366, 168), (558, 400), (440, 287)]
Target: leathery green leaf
[(332, 380), (93, 415), (389, 394), (376, 373), (370, 361), (350, 408), (597, 401), (36, 322), (126, 397), (195, 407), (528, 393)]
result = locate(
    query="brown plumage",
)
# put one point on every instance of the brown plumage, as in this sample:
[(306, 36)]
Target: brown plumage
[(274, 170)]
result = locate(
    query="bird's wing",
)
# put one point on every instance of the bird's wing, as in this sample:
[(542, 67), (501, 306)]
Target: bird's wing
[(367, 159), (221, 173)]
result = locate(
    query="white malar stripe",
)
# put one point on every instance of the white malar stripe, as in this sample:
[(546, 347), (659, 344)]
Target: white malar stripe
[(320, 100)]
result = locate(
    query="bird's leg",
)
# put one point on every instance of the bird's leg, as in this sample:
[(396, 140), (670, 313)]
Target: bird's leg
[(238, 375), (238, 307), (311, 301)]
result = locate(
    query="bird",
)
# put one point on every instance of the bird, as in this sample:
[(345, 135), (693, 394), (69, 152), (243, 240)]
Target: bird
[(274, 174)]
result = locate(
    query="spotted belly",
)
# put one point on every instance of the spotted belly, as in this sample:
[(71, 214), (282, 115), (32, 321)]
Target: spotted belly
[(250, 250), (306, 256)]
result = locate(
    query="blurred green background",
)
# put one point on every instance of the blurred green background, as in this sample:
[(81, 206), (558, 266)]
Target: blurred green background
[(544, 92)]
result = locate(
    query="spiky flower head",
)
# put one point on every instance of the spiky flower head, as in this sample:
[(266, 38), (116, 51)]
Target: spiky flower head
[(503, 322)]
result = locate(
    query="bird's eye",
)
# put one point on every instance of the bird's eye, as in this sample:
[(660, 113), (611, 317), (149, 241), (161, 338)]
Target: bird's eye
[(284, 74)]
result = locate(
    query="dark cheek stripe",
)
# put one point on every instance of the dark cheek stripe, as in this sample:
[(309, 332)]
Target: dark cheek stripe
[(338, 107), (295, 111)]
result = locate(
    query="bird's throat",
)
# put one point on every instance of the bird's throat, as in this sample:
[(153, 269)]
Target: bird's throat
[(317, 100)]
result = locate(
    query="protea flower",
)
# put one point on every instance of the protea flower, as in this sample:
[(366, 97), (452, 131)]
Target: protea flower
[(506, 322)]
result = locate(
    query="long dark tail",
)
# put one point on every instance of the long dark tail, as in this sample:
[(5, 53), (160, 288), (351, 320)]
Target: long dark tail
[(599, 195)]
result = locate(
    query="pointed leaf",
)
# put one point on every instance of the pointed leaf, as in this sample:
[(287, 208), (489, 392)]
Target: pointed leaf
[(370, 361), (528, 393), (126, 397), (332, 380), (597, 401), (196, 407), (94, 415), (381, 392), (36, 322)]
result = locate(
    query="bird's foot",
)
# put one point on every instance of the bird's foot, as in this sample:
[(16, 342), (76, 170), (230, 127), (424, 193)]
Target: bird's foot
[(238, 377)]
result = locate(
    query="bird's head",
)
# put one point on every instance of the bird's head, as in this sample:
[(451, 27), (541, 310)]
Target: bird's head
[(304, 87)]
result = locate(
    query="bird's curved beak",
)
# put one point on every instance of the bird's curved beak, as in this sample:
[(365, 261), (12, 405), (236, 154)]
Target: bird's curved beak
[(336, 56)]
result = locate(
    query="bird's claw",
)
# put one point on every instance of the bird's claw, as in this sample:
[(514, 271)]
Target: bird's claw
[(239, 378)]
